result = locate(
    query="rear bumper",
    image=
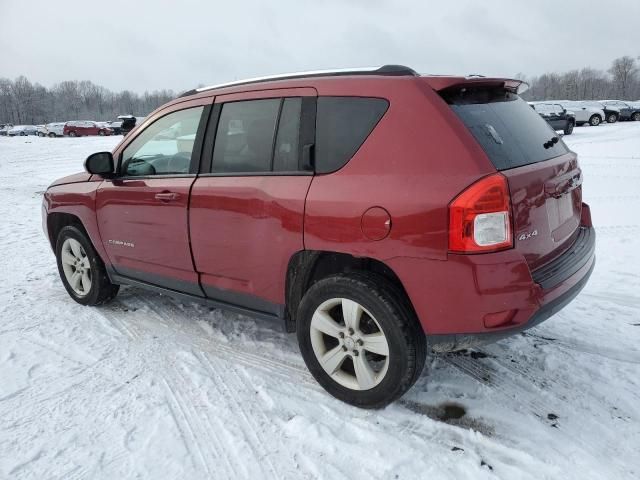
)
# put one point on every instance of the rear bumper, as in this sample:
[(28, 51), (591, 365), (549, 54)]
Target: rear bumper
[(449, 343), (470, 300)]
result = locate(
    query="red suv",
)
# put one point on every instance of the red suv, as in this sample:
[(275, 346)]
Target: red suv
[(376, 213), (85, 128)]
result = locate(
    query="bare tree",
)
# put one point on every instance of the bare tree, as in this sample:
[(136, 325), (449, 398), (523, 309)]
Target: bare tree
[(24, 102), (624, 73)]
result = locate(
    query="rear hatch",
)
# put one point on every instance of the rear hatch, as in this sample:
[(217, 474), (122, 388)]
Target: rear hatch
[(543, 174)]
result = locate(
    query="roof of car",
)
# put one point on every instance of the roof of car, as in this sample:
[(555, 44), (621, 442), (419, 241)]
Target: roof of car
[(384, 73), (385, 70)]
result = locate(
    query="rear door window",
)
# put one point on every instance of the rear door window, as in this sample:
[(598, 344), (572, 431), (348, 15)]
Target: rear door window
[(342, 126), (244, 139), (510, 132)]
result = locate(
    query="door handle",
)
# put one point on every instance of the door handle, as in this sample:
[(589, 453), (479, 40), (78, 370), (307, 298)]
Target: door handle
[(167, 196)]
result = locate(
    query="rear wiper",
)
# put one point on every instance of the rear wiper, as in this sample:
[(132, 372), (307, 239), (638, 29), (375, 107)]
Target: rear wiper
[(551, 142)]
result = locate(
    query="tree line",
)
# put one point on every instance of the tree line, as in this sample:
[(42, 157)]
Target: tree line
[(621, 81), (23, 102)]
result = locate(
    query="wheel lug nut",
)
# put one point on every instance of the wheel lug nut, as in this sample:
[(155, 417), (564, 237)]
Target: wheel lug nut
[(341, 334), (360, 342), (344, 348), (351, 331), (355, 353)]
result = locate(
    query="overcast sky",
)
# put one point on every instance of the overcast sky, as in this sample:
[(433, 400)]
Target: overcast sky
[(153, 44)]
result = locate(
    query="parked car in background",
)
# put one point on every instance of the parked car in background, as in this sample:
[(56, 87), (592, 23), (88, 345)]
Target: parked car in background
[(558, 117), (584, 114), (4, 129), (55, 129), (85, 128), (628, 110), (23, 130), (129, 122), (41, 130), (116, 127), (611, 114), (277, 199)]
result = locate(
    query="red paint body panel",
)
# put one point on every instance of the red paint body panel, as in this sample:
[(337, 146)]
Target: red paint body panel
[(77, 199), (142, 233), (244, 230), (74, 178)]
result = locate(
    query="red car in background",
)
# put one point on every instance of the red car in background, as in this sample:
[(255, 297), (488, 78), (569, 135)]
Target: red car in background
[(85, 128)]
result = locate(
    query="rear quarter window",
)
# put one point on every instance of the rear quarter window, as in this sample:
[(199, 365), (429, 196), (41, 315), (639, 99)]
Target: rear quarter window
[(342, 126), (511, 133)]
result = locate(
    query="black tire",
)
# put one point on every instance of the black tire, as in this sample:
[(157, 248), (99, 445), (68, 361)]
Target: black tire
[(73, 134), (52, 135), (101, 133), (404, 335), (595, 120), (102, 290), (40, 134), (568, 129), (613, 118), (579, 124), (23, 134), (636, 117)]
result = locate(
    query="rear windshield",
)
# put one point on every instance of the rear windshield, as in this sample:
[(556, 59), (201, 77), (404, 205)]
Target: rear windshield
[(511, 133)]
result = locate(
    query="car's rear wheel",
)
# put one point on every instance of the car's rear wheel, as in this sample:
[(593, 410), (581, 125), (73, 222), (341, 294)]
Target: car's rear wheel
[(52, 135), (82, 271), (595, 120), (72, 134), (568, 129), (636, 117), (360, 339), (101, 133), (612, 118)]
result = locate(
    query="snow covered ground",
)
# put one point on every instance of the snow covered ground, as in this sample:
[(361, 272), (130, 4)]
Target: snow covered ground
[(149, 387)]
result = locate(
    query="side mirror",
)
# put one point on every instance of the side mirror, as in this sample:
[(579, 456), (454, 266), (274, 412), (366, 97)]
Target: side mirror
[(100, 163)]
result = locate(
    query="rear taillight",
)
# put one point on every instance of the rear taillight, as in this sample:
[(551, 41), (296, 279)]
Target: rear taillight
[(480, 217)]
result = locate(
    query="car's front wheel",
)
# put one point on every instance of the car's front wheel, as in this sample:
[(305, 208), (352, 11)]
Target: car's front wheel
[(360, 339), (72, 134), (52, 135), (612, 118), (636, 117), (81, 269), (101, 133), (595, 120)]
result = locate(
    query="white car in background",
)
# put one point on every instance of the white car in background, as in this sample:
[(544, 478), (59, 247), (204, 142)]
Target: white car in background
[(40, 130), (54, 129), (592, 115)]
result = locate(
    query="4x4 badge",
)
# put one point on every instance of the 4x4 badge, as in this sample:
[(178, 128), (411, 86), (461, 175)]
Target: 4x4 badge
[(528, 235)]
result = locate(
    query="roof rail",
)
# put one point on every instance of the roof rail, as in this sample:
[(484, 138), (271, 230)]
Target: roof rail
[(387, 70)]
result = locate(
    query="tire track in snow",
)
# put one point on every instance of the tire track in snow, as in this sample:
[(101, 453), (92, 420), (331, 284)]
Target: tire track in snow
[(188, 425), (252, 431)]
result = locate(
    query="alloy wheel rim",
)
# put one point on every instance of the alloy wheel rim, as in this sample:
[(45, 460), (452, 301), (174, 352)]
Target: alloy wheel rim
[(76, 267), (349, 344)]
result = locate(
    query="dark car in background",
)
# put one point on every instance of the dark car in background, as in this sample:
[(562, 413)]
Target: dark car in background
[(558, 117), (628, 111), (128, 123), (116, 126)]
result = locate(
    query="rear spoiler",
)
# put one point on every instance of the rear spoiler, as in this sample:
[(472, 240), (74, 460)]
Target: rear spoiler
[(509, 84)]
